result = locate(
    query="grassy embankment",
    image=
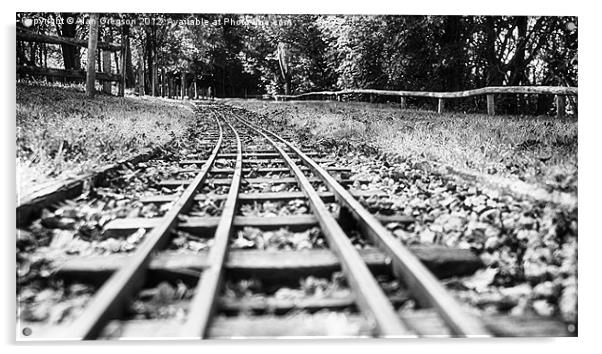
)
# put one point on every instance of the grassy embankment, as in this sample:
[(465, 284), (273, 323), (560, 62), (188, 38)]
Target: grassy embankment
[(537, 150), (61, 133)]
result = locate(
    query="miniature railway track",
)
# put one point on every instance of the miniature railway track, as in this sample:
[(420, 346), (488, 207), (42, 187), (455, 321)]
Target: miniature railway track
[(242, 157)]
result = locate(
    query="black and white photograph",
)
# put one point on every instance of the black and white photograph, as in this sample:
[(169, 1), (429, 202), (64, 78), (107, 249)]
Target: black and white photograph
[(191, 176)]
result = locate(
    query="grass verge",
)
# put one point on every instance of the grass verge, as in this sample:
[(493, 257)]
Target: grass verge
[(536, 150), (61, 133)]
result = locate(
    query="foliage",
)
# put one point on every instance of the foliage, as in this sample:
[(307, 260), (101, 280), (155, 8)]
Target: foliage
[(240, 54)]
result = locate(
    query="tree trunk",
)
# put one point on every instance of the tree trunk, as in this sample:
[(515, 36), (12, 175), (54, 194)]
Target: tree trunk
[(146, 58), (494, 75), (183, 86), (168, 83), (224, 80), (141, 79), (150, 49), (45, 56), (163, 83), (155, 82), (172, 86), (41, 53), (518, 65), (32, 53), (130, 80), (117, 60), (106, 62), (452, 71), (123, 57), (284, 69), (98, 57), (71, 55)]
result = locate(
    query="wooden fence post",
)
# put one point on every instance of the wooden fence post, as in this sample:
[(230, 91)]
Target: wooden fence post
[(441, 106), (560, 106), (92, 42), (490, 104), (402, 102)]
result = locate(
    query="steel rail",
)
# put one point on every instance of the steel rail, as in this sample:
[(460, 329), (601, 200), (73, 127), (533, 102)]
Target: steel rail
[(110, 299), (370, 297), (425, 287), (203, 303)]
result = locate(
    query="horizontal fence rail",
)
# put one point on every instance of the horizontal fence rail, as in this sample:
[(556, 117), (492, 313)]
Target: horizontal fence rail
[(551, 90), (66, 73), (28, 36), (559, 91)]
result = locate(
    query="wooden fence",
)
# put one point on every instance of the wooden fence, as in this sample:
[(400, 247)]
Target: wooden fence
[(559, 91), (162, 82), (90, 74)]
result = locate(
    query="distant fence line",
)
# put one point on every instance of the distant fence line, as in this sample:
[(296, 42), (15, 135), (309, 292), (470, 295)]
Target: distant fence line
[(559, 91)]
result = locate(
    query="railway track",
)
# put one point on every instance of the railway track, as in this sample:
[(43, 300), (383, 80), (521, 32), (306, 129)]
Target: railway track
[(255, 237)]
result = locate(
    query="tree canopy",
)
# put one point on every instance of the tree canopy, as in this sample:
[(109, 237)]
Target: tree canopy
[(242, 55)]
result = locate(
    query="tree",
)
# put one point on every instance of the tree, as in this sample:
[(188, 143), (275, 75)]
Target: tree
[(71, 54), (292, 54)]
